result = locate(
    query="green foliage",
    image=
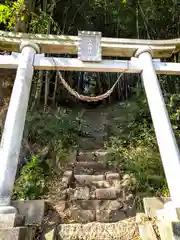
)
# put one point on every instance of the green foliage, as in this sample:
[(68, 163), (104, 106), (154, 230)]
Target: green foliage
[(58, 131), (140, 160), (11, 12), (41, 21), (133, 148), (32, 179), (52, 127), (4, 13), (174, 111)]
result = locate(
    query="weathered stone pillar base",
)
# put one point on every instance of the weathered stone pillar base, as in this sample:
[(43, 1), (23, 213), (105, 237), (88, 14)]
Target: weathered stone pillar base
[(17, 233), (159, 212), (22, 225)]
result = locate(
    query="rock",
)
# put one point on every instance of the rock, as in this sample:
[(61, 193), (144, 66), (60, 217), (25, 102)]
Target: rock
[(130, 199), (80, 194), (112, 176), (61, 206), (106, 193), (126, 176), (126, 183), (66, 180), (134, 181)]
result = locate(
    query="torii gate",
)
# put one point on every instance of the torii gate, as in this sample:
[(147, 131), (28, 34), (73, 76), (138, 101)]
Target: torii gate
[(90, 48)]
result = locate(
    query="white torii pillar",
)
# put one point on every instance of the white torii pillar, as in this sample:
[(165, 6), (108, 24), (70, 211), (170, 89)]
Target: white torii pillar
[(14, 124), (165, 136)]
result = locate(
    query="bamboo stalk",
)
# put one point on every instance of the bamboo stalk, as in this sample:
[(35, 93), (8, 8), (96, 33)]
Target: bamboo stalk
[(55, 90)]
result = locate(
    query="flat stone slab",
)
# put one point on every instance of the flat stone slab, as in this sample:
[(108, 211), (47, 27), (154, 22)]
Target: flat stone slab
[(151, 205), (85, 204), (90, 167), (85, 156), (19, 233), (95, 204), (88, 179), (33, 210), (101, 184), (106, 193), (123, 230), (112, 176), (80, 194), (7, 220)]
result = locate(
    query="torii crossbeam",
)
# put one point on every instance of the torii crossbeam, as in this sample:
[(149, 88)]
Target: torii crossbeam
[(90, 58)]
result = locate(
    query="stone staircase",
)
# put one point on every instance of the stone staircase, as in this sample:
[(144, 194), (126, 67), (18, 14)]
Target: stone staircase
[(97, 200), (95, 127)]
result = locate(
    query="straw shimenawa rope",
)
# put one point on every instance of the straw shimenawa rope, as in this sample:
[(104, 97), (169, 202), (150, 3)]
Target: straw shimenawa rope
[(87, 98)]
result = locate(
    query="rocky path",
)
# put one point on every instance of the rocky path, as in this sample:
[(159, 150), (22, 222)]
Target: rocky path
[(97, 201)]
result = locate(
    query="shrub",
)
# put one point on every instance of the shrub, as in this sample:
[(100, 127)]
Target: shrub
[(50, 128), (31, 182), (134, 148)]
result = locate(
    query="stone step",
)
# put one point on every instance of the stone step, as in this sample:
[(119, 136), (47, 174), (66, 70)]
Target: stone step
[(101, 184), (87, 144), (107, 193), (81, 216), (83, 180), (95, 204), (101, 155), (85, 193), (123, 230), (98, 155), (78, 193), (110, 215), (86, 156), (85, 216), (90, 167), (110, 176), (17, 233)]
